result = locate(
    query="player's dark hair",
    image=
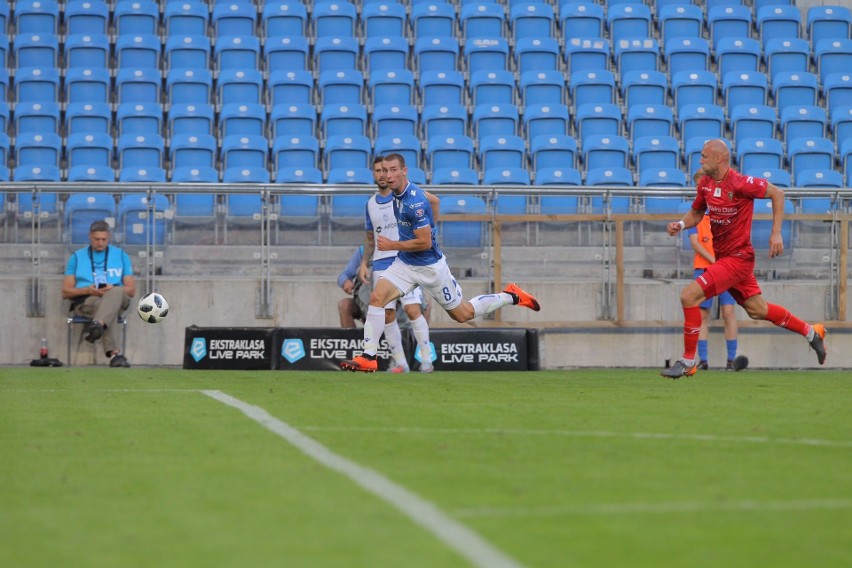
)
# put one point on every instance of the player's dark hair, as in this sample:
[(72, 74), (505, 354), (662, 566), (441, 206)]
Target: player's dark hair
[(99, 227), (395, 156), (377, 159)]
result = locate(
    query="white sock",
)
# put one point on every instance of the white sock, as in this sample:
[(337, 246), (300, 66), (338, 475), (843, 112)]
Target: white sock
[(394, 338), (488, 303), (373, 327), (421, 332), (810, 334)]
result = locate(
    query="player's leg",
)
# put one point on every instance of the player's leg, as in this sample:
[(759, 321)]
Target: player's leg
[(348, 310), (690, 298), (411, 303), (393, 335)]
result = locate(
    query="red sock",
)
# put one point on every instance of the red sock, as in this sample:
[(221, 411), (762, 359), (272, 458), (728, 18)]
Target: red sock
[(691, 325), (781, 316)]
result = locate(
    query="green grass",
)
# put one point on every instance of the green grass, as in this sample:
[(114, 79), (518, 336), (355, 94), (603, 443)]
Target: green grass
[(107, 467)]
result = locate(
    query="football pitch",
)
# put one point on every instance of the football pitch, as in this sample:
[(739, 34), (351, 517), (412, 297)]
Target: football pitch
[(164, 467)]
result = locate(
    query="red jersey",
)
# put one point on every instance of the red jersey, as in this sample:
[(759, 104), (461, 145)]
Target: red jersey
[(730, 205)]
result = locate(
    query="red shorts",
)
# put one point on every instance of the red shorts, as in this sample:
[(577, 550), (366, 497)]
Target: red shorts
[(731, 273)]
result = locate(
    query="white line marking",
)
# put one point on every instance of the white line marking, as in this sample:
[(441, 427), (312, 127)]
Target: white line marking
[(457, 536), (595, 434), (106, 390), (656, 508)]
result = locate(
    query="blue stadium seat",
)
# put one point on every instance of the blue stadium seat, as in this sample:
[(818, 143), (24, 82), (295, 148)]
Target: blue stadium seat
[(293, 119), (138, 86), (139, 118), (597, 118), (85, 17), (285, 52), (142, 175), (693, 87), (353, 175), (383, 52), (190, 119), (189, 86), (4, 25), (244, 151), (531, 20), (778, 177), (433, 19), (687, 54), (187, 52), (488, 119), (482, 54), (407, 145), (386, 19), (628, 21), (343, 119), (132, 18), (502, 152), (37, 84), (463, 234), (656, 152), (640, 54), (553, 152), (37, 17), (728, 21), (289, 151), (833, 56), (762, 229), (737, 54), (844, 156), (87, 117), (507, 176), (392, 87), (37, 117), (536, 54), (837, 89), (586, 54), (444, 120), (606, 152), (185, 19), (347, 152), (86, 85), (300, 212), (615, 176), (644, 88), (234, 19), (91, 174), (482, 20), (780, 21), (455, 176), (545, 119), (492, 87), (797, 89), (242, 118), (592, 87), (136, 226), (819, 178), (4, 51), (755, 121), (4, 116), (4, 84), (828, 22), (786, 54), (662, 177), (452, 152), (81, 210), (810, 153), (5, 144), (284, 18), (841, 124), (754, 153), (542, 87), (286, 87), (650, 120), (416, 176), (394, 120), (333, 19), (701, 121), (241, 86), (87, 51), (680, 20), (137, 52), (90, 150), (311, 176), (37, 50), (236, 52), (193, 151), (38, 149), (36, 173), (803, 122), (140, 151), (436, 54), (336, 53), (581, 20), (554, 205), (442, 87)]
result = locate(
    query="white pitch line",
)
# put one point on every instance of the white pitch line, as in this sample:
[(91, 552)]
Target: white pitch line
[(454, 534), (654, 508), (194, 391), (594, 434)]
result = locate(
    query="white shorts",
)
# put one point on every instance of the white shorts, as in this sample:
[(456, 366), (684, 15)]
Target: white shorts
[(435, 279), (413, 297)]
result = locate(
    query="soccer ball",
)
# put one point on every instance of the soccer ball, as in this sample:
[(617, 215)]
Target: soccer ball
[(153, 308)]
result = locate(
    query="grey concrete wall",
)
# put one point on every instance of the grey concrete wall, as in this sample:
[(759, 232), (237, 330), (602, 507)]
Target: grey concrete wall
[(572, 337)]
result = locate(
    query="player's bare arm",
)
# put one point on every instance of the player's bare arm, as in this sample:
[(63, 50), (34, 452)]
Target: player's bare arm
[(776, 241), (435, 204), (691, 219), (366, 257), (422, 241)]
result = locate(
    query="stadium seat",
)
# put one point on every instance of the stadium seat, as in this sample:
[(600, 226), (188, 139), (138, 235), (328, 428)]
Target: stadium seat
[(134, 18), (786, 55), (37, 84), (442, 87), (237, 53), (492, 87), (451, 152), (753, 121), (293, 119), (286, 52), (837, 89), (644, 88), (433, 19), (407, 145), (463, 234), (810, 153), (382, 52), (281, 18), (597, 119), (311, 176), (728, 21), (333, 19), (819, 178), (502, 151), (605, 152), (531, 20), (780, 21), (37, 17), (444, 120), (436, 54), (86, 117), (662, 177), (242, 174), (553, 152), (237, 86), (581, 20), (142, 219), (37, 50), (628, 20), (482, 20), (192, 175), (592, 87), (737, 55), (138, 86), (796, 89), (488, 119), (137, 52), (536, 54), (846, 158), (4, 84), (650, 120), (38, 149), (139, 118), (616, 177), (391, 87), (701, 121), (586, 54), (37, 117), (833, 56), (687, 55), (745, 88), (86, 85), (185, 19), (803, 122), (482, 54), (103, 174), (828, 22), (290, 87), (81, 210), (187, 52), (762, 229), (394, 120), (341, 87), (243, 151), (289, 151), (346, 176), (190, 119), (841, 124), (85, 18), (656, 152), (455, 176), (87, 51), (507, 176), (343, 119), (754, 153), (548, 205), (542, 87), (336, 53), (193, 151), (240, 119), (778, 177), (680, 20), (233, 19), (640, 54), (347, 152), (189, 86), (140, 151), (90, 150), (693, 87), (387, 19), (545, 119)]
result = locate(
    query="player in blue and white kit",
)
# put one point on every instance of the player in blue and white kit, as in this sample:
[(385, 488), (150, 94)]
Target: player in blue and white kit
[(420, 262), (381, 220)]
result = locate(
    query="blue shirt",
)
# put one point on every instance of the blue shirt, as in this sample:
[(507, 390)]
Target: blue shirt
[(413, 212), (107, 267), (351, 270)]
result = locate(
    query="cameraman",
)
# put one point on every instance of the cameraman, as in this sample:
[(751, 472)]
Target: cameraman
[(99, 282)]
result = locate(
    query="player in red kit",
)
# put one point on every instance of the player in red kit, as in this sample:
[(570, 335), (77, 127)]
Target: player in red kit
[(728, 198)]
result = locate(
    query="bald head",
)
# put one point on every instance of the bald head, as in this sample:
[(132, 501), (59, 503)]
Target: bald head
[(715, 158)]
